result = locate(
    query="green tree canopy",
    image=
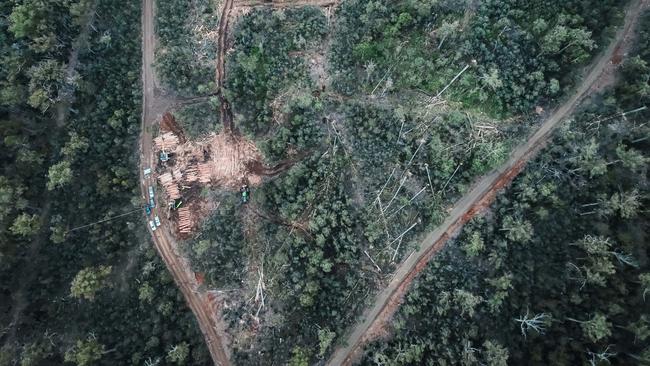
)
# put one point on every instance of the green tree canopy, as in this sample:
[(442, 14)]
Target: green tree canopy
[(26, 225), (89, 281), (178, 354), (85, 353), (59, 175)]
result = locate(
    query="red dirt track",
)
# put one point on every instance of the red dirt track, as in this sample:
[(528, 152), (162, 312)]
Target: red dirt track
[(204, 304), (375, 319), (154, 106)]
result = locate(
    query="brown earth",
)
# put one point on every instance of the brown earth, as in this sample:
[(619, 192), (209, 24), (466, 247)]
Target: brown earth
[(169, 124), (227, 159), (376, 319)]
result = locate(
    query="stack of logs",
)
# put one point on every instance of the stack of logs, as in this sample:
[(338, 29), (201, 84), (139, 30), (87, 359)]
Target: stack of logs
[(171, 187), (167, 141), (184, 220)]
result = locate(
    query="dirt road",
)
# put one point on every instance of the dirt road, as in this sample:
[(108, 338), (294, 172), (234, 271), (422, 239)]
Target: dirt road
[(153, 107), (482, 194)]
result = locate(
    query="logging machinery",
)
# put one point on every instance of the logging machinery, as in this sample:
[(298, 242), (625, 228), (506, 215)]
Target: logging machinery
[(245, 193)]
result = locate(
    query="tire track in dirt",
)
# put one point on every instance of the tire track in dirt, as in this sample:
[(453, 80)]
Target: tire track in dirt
[(153, 107), (286, 3), (375, 319), (222, 42)]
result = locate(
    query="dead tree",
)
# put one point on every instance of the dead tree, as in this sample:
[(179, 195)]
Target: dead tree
[(597, 358), (536, 323)]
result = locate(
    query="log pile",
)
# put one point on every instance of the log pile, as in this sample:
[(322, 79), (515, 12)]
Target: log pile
[(168, 141), (170, 185), (217, 159), (205, 172), (184, 220), (191, 174)]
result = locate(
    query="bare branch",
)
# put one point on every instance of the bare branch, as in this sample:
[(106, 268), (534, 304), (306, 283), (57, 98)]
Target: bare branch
[(451, 82), (596, 358), (536, 323), (624, 258), (372, 260)]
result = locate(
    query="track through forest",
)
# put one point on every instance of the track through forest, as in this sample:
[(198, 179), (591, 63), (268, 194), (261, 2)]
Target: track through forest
[(483, 192), (154, 105), (222, 44), (286, 3)]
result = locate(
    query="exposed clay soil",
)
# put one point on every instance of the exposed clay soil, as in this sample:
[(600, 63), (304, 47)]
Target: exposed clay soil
[(169, 124), (222, 161)]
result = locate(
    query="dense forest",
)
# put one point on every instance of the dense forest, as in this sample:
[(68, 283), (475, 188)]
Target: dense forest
[(70, 106), (556, 272)]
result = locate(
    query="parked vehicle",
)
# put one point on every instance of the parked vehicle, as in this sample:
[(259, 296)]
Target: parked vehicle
[(152, 225), (157, 220)]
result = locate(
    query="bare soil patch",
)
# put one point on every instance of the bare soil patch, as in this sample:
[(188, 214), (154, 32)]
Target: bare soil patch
[(224, 161), (169, 124)]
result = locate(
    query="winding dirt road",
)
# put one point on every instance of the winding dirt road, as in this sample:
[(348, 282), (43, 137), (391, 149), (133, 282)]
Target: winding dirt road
[(483, 193), (154, 105)]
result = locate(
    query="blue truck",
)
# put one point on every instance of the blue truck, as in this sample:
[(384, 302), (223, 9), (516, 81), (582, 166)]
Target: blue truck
[(152, 203)]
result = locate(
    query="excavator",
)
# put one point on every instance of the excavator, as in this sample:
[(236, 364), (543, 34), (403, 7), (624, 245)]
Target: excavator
[(245, 193)]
